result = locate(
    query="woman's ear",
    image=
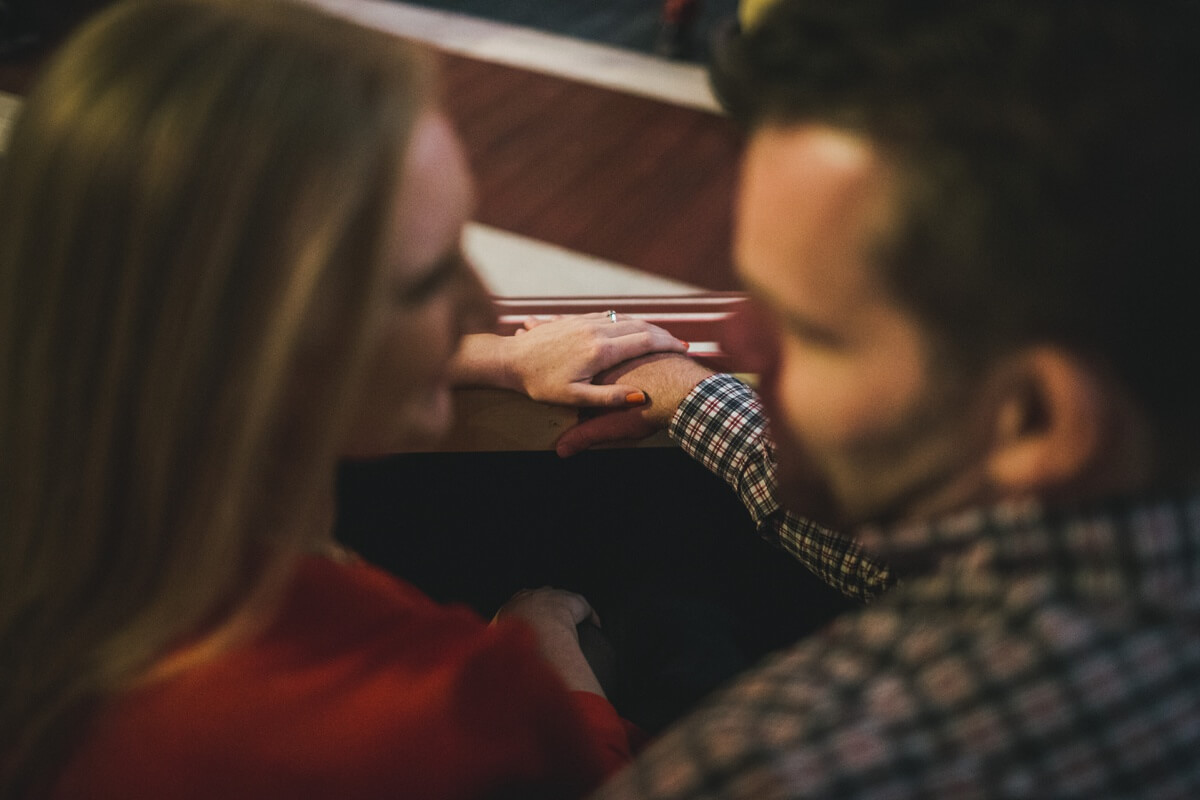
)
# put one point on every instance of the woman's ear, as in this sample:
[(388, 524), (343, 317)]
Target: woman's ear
[(1052, 418)]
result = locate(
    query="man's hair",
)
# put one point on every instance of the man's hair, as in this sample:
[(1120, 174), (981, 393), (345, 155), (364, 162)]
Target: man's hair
[(1048, 160)]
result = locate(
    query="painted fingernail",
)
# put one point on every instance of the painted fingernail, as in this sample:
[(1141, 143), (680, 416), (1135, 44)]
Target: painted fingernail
[(685, 344), (635, 398)]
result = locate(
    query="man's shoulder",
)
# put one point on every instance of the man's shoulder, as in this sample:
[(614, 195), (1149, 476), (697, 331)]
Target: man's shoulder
[(932, 698)]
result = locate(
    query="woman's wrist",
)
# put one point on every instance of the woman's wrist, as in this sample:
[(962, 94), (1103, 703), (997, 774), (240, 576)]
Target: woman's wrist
[(560, 647), (484, 359)]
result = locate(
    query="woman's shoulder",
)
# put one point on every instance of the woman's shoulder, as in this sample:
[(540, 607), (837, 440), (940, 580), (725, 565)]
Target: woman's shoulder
[(361, 685), (347, 597)]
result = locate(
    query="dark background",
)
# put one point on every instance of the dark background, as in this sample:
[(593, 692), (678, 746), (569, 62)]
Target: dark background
[(630, 24), (687, 592)]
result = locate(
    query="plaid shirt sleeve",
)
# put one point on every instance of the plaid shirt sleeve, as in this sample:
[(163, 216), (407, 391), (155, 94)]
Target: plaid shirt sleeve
[(722, 425)]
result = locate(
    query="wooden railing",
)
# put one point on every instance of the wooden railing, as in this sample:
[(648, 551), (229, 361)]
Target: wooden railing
[(497, 420)]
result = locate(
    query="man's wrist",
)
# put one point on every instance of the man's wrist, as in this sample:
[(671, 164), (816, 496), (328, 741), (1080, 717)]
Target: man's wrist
[(687, 375)]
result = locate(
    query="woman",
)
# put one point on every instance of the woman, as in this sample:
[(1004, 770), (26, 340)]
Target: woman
[(229, 257)]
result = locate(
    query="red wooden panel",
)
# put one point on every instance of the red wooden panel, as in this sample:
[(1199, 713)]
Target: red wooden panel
[(624, 178), (698, 319)]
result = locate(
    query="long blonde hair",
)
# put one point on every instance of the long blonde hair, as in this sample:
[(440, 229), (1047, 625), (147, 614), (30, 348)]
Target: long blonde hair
[(191, 215)]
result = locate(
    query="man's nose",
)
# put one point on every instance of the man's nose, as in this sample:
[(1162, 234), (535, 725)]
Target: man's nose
[(751, 340)]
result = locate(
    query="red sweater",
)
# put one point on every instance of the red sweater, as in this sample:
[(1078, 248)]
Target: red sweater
[(363, 687)]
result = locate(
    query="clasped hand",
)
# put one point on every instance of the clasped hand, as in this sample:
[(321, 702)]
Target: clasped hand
[(555, 360), (632, 368)]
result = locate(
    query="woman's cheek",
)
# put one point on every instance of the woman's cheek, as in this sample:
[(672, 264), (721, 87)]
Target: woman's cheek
[(412, 342)]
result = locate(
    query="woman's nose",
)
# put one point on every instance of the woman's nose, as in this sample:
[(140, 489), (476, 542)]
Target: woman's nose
[(476, 312)]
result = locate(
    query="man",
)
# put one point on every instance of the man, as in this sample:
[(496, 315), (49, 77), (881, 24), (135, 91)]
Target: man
[(966, 229)]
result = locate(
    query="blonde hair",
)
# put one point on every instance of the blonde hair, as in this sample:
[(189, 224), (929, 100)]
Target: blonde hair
[(191, 216)]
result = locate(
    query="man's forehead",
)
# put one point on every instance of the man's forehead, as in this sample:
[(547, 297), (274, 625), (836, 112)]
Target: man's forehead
[(814, 200), (822, 167)]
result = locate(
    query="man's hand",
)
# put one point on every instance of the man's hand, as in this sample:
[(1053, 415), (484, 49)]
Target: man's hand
[(665, 378)]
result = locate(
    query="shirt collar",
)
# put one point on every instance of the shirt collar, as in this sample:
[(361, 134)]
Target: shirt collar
[(1144, 550)]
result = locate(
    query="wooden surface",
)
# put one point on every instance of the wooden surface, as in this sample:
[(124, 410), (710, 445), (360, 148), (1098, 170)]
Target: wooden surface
[(490, 420), (697, 318), (628, 179), (624, 178)]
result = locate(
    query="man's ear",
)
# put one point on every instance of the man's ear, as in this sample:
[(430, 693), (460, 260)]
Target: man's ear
[(1051, 421)]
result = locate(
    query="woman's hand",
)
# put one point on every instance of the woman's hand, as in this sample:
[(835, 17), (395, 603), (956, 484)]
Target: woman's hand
[(553, 615), (666, 379), (555, 361)]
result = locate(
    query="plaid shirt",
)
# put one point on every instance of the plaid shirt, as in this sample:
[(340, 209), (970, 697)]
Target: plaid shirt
[(721, 424), (1027, 653)]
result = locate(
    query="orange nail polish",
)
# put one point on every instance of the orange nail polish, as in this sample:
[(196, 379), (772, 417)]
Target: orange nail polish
[(635, 398), (685, 344)]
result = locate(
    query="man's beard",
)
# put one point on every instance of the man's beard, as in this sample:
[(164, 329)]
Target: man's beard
[(899, 471), (802, 488)]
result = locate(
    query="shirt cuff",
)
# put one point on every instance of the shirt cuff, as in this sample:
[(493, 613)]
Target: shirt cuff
[(721, 424)]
